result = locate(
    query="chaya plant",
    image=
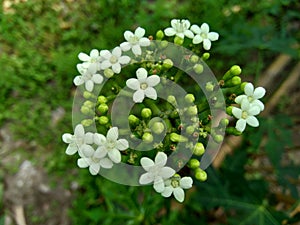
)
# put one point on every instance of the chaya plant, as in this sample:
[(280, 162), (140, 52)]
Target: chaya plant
[(151, 111)]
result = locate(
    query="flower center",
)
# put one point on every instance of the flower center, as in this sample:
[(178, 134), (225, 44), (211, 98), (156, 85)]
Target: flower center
[(203, 35), (175, 183), (113, 59), (180, 27), (244, 115), (250, 98), (110, 145), (95, 160), (79, 141), (144, 86), (133, 40)]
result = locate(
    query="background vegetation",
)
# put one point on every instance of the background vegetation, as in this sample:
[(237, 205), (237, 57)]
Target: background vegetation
[(39, 43)]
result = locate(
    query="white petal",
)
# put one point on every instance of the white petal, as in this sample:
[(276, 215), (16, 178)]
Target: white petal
[(240, 98), (167, 172), (94, 168), (128, 35), (97, 78), (105, 54), (83, 162), (161, 159), (237, 112), (122, 144), (79, 131), (78, 80), (105, 64), (153, 80), (125, 46), (196, 29), (133, 84), (106, 163), (145, 178), (138, 96), (141, 74), (144, 42), (89, 85), (94, 53), (179, 194), (112, 134), (213, 36), (136, 49), (170, 31), (83, 57), (174, 22), (167, 192), (186, 182), (89, 138), (197, 39), (254, 110), (150, 92), (240, 125), (87, 150), (71, 149), (116, 68), (67, 138), (100, 152), (259, 104), (82, 67), (249, 89), (146, 163), (139, 32), (124, 59), (181, 35), (159, 185), (117, 52), (206, 44), (186, 23), (205, 28), (99, 139), (245, 105), (114, 155), (189, 34), (259, 92), (252, 121)]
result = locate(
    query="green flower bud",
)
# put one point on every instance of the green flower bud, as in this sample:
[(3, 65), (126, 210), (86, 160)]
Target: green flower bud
[(209, 86), (243, 85), (89, 104), (192, 110), (158, 127), (108, 73), (224, 122), (233, 131), (167, 63), (218, 138), (133, 120), (87, 94), (198, 68), (103, 108), (146, 113), (190, 129), (177, 138), (87, 122), (198, 149), (159, 35), (102, 99), (194, 59), (194, 163), (172, 100), (205, 56), (85, 110), (189, 98), (236, 70), (103, 120), (200, 174), (147, 137), (178, 40), (164, 43), (234, 81), (229, 110)]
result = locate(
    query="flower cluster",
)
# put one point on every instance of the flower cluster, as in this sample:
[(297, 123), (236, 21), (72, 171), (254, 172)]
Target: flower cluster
[(179, 124)]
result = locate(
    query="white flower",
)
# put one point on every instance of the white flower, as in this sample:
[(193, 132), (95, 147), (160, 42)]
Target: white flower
[(79, 141), (114, 59), (93, 60), (143, 85), (252, 95), (110, 145), (156, 171), (95, 160), (203, 35), (246, 115), (88, 76), (135, 41), (179, 28), (176, 185)]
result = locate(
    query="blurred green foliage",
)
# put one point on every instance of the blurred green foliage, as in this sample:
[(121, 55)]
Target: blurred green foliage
[(39, 44)]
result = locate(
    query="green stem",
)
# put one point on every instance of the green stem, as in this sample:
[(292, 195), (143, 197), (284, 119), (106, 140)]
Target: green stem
[(153, 107)]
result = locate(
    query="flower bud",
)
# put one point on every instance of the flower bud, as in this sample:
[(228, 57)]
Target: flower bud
[(103, 120), (194, 163), (200, 174), (159, 35), (85, 110), (178, 40), (103, 108), (172, 99), (192, 110), (88, 104), (234, 81), (102, 99), (108, 73), (243, 85), (133, 120), (194, 59), (209, 87), (198, 68), (229, 110), (189, 98), (87, 94), (177, 138), (236, 70), (164, 43), (146, 113), (218, 138), (198, 149), (167, 63), (157, 127), (190, 130), (224, 122), (147, 137), (205, 56), (87, 122), (233, 131)]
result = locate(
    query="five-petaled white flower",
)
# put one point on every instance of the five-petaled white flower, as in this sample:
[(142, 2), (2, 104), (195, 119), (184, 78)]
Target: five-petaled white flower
[(88, 76), (176, 185), (143, 85), (80, 141), (203, 35), (110, 145), (246, 115), (252, 95), (93, 60), (134, 41), (95, 160), (179, 28), (157, 172), (114, 59)]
